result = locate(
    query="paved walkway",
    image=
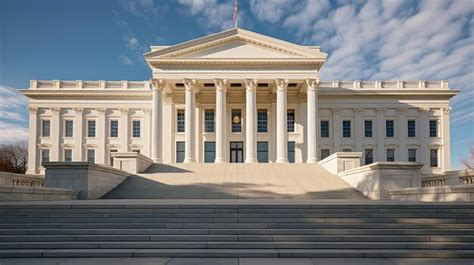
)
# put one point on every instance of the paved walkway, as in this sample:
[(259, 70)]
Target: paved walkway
[(232, 261)]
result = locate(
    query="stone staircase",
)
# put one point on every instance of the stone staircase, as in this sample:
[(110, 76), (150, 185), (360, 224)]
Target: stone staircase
[(236, 228)]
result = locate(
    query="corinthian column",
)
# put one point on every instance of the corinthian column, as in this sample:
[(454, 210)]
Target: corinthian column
[(158, 86), (221, 89), (282, 142), (312, 115), (189, 122), (250, 124)]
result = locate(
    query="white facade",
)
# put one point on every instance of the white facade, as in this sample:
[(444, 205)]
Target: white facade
[(247, 81)]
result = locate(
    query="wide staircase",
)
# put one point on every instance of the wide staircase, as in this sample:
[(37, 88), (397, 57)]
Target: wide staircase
[(236, 228)]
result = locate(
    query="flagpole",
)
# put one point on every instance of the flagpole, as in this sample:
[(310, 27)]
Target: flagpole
[(235, 16)]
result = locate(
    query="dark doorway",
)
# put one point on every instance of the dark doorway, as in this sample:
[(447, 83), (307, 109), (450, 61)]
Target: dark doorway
[(236, 152)]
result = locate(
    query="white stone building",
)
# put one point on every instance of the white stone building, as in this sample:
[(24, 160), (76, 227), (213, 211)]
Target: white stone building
[(238, 96)]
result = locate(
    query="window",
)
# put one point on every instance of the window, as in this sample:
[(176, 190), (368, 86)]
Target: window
[(111, 157), (324, 153), (433, 128), (236, 120), (411, 155), (291, 152), (324, 129), (347, 150), (411, 128), (368, 128), (290, 120), (346, 129), (390, 155), (46, 128), (136, 129), (91, 155), (262, 152), (114, 128), (90, 128), (389, 128), (369, 156), (209, 152), (68, 155), (262, 120), (44, 156), (433, 157), (180, 120), (68, 128), (179, 152), (209, 120)]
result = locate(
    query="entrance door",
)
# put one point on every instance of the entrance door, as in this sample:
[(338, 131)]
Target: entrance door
[(236, 152)]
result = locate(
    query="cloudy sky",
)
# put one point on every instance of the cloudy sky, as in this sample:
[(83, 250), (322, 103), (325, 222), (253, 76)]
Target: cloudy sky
[(367, 40)]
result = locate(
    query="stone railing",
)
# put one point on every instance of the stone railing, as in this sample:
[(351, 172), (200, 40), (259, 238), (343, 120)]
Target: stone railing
[(84, 84), (14, 179), (396, 84), (450, 178), (341, 161), (131, 162)]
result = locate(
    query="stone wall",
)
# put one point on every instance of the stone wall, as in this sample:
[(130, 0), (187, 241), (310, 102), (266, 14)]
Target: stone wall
[(341, 161), (435, 194), (131, 162), (27, 193)]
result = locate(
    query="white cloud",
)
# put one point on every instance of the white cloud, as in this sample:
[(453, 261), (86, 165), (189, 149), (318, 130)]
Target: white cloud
[(12, 115), (211, 13), (131, 42), (271, 11), (125, 60)]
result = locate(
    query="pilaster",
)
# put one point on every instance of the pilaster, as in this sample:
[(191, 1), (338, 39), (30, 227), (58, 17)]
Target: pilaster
[(446, 134), (124, 130), (337, 125), (380, 134), (78, 134), (33, 161), (55, 134), (358, 129), (101, 135), (402, 135)]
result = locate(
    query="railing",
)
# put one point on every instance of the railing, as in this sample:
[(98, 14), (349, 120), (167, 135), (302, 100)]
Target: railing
[(450, 178), (397, 84), (13, 179), (88, 84)]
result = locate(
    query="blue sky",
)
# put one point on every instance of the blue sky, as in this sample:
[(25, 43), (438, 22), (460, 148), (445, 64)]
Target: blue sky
[(368, 40)]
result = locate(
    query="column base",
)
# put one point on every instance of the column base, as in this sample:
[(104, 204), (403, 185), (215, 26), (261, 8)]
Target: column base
[(189, 160), (281, 160), (312, 161), (219, 161), (251, 160)]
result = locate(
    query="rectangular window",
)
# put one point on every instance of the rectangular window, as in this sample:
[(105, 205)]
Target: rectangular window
[(90, 128), (290, 120), (262, 120), (433, 128), (389, 128), (179, 152), (180, 120), (433, 157), (369, 156), (68, 128), (136, 128), (390, 155), (68, 155), (324, 129), (114, 128), (111, 163), (324, 153), (411, 128), (368, 128), (262, 152), (209, 120), (236, 115), (291, 152), (44, 156), (91, 155), (46, 128), (209, 152), (411, 155), (346, 128)]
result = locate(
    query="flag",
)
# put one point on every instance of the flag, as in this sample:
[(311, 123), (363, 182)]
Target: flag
[(235, 13)]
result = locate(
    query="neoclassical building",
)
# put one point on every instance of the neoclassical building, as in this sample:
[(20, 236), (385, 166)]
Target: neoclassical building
[(238, 96)]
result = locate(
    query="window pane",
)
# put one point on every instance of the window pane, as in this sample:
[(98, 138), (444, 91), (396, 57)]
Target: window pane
[(68, 128), (368, 128), (411, 128), (114, 128), (236, 122), (44, 155), (291, 152), (68, 155), (209, 152), (180, 120), (411, 155), (369, 156), (324, 153), (346, 128), (290, 120), (389, 128), (434, 157), (262, 152), (262, 120), (179, 152), (91, 155), (46, 128), (90, 128), (324, 129), (390, 155), (433, 128), (136, 129), (209, 120)]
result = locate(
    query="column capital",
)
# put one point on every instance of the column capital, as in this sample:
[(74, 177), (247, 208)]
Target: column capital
[(312, 84), (380, 110), (32, 110), (336, 110), (358, 111), (423, 109), (78, 110), (101, 110), (446, 110), (55, 110), (281, 84), (251, 84), (124, 110), (402, 111), (221, 84), (146, 110), (191, 84), (158, 84)]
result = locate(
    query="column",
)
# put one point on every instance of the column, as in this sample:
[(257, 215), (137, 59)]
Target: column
[(358, 129), (158, 86), (446, 134), (380, 134), (424, 139), (190, 98), (78, 134), (55, 134), (146, 131), (312, 116), (402, 135), (221, 90), (336, 127), (282, 135), (250, 120), (33, 141), (101, 134), (124, 130)]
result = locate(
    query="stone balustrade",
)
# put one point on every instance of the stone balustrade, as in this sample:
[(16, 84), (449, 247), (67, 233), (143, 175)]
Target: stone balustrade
[(14, 179), (395, 84), (87, 84), (450, 178)]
